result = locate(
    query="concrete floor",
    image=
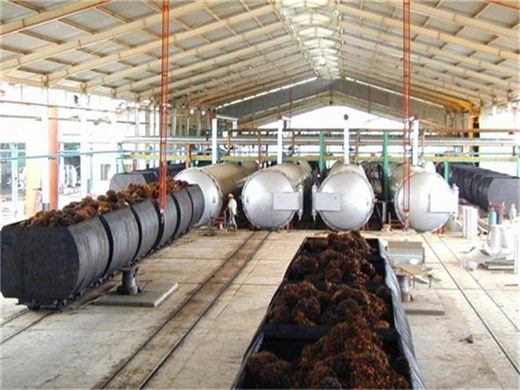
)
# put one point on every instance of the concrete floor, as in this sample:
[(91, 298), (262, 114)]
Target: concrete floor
[(87, 344)]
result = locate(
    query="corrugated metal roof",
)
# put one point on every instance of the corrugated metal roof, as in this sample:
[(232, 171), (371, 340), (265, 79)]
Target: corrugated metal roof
[(462, 51)]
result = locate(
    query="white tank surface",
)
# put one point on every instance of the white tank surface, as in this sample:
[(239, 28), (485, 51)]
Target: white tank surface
[(345, 199), (273, 195), (432, 201), (216, 181)]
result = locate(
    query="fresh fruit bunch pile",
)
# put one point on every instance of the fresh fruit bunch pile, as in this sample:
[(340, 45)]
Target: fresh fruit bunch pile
[(303, 304), (351, 356), (350, 244), (338, 258), (88, 207)]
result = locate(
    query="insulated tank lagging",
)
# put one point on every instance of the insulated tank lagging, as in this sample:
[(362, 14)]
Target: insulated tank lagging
[(215, 182), (43, 265), (432, 200), (149, 226), (123, 235), (481, 186), (272, 196), (120, 181), (185, 209), (345, 199), (197, 199)]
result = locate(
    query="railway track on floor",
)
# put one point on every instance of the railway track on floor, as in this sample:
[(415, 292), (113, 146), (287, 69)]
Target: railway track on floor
[(26, 319), (22, 322), (152, 355), (14, 316), (486, 291), (472, 305)]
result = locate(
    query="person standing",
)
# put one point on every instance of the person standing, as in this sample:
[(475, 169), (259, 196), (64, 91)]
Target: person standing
[(232, 209), (38, 200)]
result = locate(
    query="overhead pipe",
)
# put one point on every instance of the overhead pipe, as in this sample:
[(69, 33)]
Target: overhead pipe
[(366, 141)]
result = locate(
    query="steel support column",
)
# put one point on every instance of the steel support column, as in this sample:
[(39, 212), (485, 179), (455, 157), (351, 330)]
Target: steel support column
[(322, 153), (446, 170), (346, 142), (14, 178), (386, 188), (164, 106), (214, 146), (279, 145)]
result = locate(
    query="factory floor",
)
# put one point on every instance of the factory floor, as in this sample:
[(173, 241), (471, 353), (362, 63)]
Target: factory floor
[(197, 336)]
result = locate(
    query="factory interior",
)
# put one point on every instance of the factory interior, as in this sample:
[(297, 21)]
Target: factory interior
[(259, 194)]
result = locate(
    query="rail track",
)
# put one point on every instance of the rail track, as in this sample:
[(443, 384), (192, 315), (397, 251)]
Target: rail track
[(26, 318), (486, 291), (152, 355), (486, 325)]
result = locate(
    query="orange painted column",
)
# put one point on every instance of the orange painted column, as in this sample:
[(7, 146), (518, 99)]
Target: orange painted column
[(53, 162)]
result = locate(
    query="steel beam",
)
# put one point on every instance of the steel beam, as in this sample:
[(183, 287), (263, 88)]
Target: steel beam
[(427, 32), (41, 54), (176, 41), (190, 53), (48, 16), (454, 17)]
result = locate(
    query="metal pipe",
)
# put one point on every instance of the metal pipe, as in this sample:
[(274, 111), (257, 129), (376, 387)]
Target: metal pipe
[(415, 142), (279, 145), (346, 142), (165, 52), (322, 153), (386, 190), (14, 178), (214, 147), (312, 140)]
